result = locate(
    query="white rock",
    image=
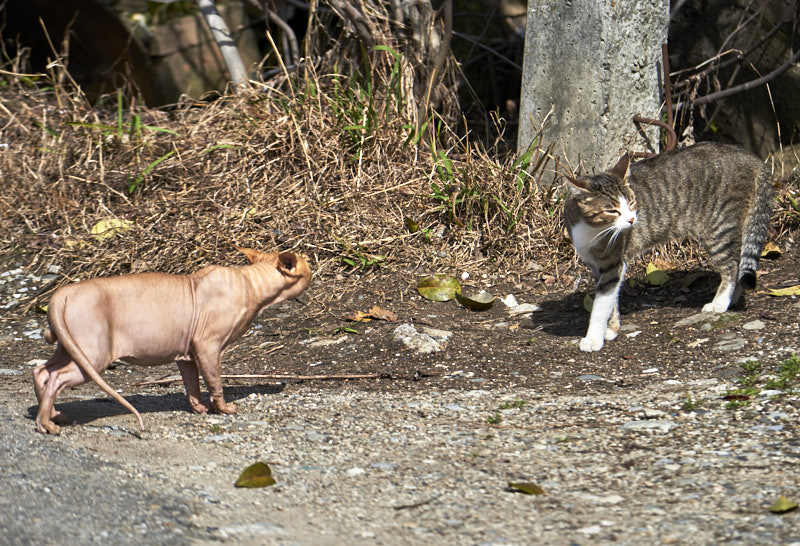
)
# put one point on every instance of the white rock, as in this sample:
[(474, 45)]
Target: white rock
[(753, 325), (510, 301), (650, 425), (523, 309)]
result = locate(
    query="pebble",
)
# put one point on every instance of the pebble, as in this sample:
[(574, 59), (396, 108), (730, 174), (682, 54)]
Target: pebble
[(524, 309), (650, 425), (421, 342), (727, 345), (250, 529), (510, 301), (435, 333), (591, 377), (694, 319), (6, 371), (324, 342), (753, 325)]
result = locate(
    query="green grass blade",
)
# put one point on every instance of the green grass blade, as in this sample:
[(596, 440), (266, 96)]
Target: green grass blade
[(133, 185)]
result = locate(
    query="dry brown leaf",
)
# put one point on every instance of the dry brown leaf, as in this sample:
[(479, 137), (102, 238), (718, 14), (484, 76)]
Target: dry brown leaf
[(382, 314), (358, 316)]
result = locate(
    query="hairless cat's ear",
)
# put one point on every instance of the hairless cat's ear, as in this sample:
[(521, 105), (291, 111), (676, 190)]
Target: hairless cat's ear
[(620, 170)]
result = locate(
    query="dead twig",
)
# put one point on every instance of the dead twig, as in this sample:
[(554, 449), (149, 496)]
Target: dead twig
[(175, 378)]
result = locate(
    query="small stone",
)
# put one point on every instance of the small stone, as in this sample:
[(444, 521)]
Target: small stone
[(386, 467), (652, 413), (524, 309), (753, 325), (435, 333), (221, 437), (591, 377), (7, 371), (727, 345), (419, 341), (630, 327), (314, 436), (54, 269), (694, 319), (650, 425), (353, 472), (650, 370), (250, 529), (35, 362), (769, 392), (510, 301), (324, 342), (633, 334)]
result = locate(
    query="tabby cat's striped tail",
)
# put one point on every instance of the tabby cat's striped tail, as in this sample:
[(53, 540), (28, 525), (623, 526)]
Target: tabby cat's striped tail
[(756, 228)]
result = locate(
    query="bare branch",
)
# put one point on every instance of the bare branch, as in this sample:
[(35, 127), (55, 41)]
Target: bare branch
[(752, 84)]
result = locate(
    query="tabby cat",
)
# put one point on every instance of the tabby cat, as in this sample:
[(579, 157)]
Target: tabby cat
[(717, 194)]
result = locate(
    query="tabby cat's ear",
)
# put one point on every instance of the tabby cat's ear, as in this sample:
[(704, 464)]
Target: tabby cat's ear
[(577, 186), (620, 170)]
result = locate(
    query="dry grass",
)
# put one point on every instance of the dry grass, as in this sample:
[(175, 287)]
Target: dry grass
[(328, 168)]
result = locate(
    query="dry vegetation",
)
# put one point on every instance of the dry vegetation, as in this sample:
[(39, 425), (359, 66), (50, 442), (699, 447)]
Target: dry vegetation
[(330, 166)]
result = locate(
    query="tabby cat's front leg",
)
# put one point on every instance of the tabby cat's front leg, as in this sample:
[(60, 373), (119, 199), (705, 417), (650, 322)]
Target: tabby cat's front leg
[(604, 322)]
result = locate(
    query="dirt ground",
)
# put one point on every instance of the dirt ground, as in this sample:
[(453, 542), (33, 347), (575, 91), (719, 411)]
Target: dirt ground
[(491, 356), (488, 349)]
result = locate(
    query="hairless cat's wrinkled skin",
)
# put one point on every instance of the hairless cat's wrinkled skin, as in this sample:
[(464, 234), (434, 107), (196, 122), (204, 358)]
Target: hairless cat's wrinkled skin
[(154, 318)]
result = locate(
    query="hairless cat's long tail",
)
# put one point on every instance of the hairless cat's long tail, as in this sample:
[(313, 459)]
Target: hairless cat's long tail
[(756, 227)]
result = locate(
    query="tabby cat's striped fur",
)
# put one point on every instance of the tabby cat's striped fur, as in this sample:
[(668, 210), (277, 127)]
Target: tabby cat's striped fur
[(717, 194)]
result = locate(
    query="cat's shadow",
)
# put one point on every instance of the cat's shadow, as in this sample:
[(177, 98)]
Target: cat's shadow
[(81, 412), (566, 317)]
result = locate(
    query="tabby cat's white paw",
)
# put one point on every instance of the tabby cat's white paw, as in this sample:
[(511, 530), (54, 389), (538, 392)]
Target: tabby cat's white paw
[(611, 334), (589, 345), (715, 307)]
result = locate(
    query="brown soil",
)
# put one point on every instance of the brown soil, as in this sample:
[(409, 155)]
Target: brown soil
[(488, 349)]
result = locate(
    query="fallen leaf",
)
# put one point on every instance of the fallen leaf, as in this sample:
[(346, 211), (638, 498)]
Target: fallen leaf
[(588, 302), (479, 302), (439, 287), (788, 291), (527, 488), (782, 505), (108, 227), (771, 251), (255, 475), (382, 314), (359, 316), (655, 276)]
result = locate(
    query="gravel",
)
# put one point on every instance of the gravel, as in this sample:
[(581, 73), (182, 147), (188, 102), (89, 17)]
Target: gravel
[(421, 468)]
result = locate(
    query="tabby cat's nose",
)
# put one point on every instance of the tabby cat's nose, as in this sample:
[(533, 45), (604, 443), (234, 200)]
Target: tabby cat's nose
[(631, 220)]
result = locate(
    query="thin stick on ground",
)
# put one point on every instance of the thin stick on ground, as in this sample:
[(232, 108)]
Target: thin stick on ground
[(288, 377)]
